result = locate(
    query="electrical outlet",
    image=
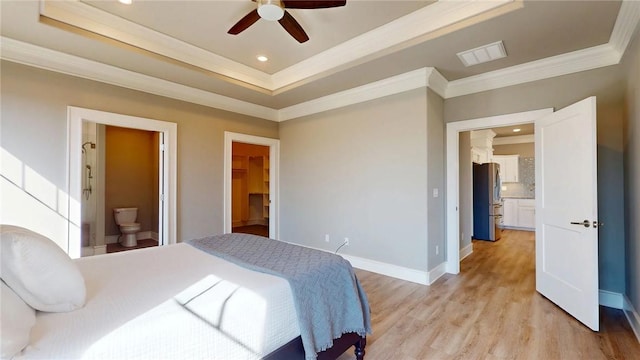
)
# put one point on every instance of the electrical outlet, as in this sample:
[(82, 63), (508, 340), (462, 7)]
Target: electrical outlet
[(346, 241), (326, 237), (437, 250)]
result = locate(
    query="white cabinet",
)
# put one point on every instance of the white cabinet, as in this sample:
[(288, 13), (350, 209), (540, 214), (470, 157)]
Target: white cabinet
[(527, 213), (508, 167), (519, 213), (510, 212), (480, 155), (482, 146)]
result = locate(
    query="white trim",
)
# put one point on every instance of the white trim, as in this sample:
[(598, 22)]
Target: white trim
[(400, 33), (576, 61), (632, 316), (75, 117), (508, 140), (453, 171), (274, 178), (43, 58), (436, 273), (610, 299), (569, 63), (466, 251), (626, 22), (394, 85), (147, 235), (98, 21), (394, 271), (111, 239)]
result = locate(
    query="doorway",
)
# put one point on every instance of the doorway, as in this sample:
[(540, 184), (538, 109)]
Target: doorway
[(453, 172), (251, 183), (164, 166), (250, 189)]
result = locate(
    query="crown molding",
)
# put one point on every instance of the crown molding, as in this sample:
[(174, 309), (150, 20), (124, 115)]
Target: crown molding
[(626, 22), (408, 81), (518, 139), (393, 36), (430, 18), (576, 61), (92, 19), (586, 59), (563, 64), (36, 56)]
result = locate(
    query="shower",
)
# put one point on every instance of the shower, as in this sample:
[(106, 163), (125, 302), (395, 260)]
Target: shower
[(87, 188), (93, 146)]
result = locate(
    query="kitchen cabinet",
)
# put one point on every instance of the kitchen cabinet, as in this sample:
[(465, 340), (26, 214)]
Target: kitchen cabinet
[(510, 212), (509, 169), (519, 214), (527, 213)]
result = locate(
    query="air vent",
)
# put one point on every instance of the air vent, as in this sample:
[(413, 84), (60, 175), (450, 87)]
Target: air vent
[(483, 54)]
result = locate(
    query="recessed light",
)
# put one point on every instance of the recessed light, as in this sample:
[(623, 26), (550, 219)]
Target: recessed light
[(516, 130), (126, 2), (262, 58)]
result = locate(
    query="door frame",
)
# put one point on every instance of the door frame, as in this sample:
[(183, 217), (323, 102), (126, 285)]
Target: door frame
[(453, 172), (168, 157), (274, 180)]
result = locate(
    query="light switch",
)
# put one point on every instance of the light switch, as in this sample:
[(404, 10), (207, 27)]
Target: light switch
[(436, 192)]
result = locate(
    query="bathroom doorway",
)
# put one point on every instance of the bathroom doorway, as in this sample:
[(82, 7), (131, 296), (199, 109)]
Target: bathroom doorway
[(251, 183), (120, 161)]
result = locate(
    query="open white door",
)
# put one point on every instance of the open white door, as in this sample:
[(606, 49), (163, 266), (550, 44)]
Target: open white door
[(567, 210)]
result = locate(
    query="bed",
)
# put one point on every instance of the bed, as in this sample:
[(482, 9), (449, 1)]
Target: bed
[(180, 302)]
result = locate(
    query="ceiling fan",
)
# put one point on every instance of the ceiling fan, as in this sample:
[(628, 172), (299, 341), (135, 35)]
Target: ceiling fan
[(273, 10)]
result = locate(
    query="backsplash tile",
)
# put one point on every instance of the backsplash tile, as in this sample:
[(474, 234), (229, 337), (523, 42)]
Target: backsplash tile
[(527, 176)]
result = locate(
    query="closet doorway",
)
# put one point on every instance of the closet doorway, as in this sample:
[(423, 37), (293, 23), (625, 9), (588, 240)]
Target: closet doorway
[(251, 184), (249, 188)]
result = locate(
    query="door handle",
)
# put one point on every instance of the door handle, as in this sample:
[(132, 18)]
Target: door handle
[(585, 223)]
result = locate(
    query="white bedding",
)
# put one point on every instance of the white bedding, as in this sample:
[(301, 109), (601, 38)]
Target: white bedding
[(169, 302)]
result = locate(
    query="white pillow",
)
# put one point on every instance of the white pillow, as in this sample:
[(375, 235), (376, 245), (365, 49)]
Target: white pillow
[(39, 271), (17, 320)]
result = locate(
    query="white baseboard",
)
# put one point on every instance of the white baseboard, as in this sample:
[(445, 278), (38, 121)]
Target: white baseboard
[(632, 316), (112, 239), (147, 235), (466, 251), (398, 272), (610, 299), (99, 249), (86, 251), (436, 273)]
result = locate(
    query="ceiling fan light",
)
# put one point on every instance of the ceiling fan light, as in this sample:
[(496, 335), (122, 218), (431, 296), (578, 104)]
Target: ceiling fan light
[(270, 10)]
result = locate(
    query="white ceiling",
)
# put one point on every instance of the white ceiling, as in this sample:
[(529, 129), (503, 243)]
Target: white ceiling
[(181, 48)]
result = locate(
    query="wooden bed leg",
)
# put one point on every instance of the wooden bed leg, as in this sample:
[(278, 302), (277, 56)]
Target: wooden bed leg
[(360, 348)]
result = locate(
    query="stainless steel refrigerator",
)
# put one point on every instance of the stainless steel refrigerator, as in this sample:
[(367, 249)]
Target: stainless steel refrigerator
[(487, 201)]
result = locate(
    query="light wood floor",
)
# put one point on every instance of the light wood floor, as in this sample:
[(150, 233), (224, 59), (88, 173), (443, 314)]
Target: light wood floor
[(489, 311)]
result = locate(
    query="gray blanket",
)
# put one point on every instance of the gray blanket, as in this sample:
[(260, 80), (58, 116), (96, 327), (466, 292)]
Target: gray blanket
[(328, 297)]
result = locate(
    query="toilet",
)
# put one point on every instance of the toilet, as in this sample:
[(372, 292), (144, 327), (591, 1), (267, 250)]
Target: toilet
[(126, 220)]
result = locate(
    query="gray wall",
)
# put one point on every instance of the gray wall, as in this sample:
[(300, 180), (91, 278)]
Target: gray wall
[(608, 84), (360, 172), (435, 179), (632, 172), (466, 186), (34, 131)]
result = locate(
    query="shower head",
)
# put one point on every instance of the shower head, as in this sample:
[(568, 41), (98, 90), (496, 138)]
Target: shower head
[(93, 145)]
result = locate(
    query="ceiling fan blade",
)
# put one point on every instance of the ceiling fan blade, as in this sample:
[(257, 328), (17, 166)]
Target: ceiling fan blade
[(313, 4), (291, 25), (244, 23)]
